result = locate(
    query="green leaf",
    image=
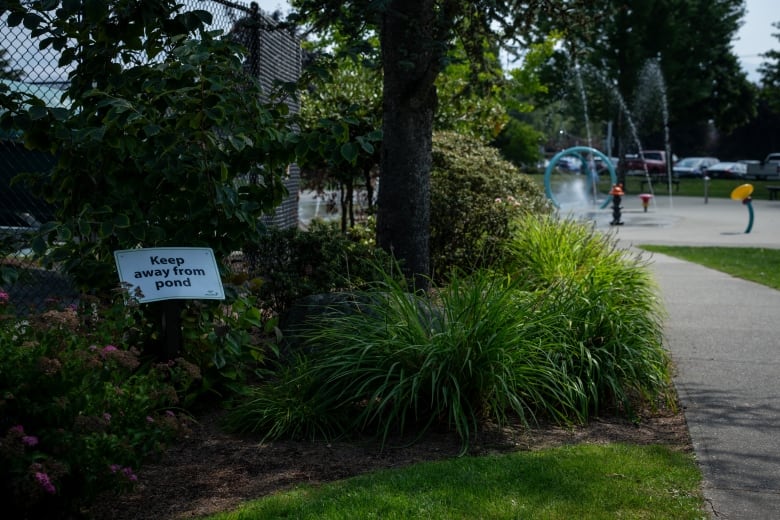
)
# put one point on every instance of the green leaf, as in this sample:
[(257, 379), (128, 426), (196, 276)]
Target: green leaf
[(71, 6), (106, 228), (151, 130), (14, 19), (64, 233), (365, 145), (37, 112), (32, 20), (121, 221), (84, 228), (59, 114), (39, 245), (349, 151), (237, 143)]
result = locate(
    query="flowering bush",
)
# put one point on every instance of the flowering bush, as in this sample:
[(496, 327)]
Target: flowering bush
[(475, 195), (80, 407)]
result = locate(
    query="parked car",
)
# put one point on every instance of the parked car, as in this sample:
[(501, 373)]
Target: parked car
[(647, 161), (569, 163), (727, 170), (693, 166), (601, 165), (769, 168)]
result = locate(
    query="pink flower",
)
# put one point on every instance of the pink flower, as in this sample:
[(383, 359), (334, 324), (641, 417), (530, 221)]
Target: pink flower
[(110, 348), (114, 468), (45, 482), (19, 429), (4, 297), (149, 419), (30, 440), (107, 417), (128, 472)]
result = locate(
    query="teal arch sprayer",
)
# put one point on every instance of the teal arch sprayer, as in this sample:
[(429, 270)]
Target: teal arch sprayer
[(591, 176)]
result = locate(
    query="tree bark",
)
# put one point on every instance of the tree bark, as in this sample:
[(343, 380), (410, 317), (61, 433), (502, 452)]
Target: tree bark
[(411, 63)]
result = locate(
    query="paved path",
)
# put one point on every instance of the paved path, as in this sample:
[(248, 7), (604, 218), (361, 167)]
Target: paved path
[(724, 337)]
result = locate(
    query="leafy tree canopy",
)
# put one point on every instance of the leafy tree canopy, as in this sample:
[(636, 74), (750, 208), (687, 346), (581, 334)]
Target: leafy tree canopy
[(691, 42), (770, 75), (167, 141)]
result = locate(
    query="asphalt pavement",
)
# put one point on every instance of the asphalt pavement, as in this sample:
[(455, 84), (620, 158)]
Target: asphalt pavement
[(723, 334)]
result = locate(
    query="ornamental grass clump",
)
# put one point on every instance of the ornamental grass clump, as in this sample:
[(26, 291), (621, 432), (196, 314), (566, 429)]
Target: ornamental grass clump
[(606, 302), (407, 362), (399, 363)]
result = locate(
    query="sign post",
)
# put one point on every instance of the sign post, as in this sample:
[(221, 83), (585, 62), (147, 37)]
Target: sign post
[(169, 275)]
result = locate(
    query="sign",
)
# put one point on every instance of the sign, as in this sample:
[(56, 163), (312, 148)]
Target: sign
[(165, 273)]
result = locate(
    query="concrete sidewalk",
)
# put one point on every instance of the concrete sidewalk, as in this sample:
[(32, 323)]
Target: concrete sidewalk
[(724, 338)]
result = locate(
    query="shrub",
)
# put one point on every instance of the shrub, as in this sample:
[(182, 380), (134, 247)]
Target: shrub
[(288, 264), (228, 341), (81, 409), (475, 194)]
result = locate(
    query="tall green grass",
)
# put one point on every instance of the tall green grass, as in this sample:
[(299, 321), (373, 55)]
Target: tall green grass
[(607, 305)]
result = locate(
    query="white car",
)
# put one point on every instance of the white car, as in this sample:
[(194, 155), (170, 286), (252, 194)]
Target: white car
[(727, 170), (693, 166)]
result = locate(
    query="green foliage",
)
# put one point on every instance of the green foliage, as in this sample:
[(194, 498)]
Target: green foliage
[(470, 90), (167, 141), (291, 406), (341, 130), (228, 341), (340, 115), (81, 409), (698, 36), (289, 263), (519, 143), (474, 196), (770, 75), (574, 328), (605, 302)]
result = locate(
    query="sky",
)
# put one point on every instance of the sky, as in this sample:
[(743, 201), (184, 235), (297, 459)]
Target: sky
[(754, 37)]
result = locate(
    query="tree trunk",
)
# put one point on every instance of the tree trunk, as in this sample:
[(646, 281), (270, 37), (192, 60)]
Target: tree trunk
[(411, 62)]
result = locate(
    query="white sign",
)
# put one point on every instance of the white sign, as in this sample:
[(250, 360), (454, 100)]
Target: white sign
[(165, 273)]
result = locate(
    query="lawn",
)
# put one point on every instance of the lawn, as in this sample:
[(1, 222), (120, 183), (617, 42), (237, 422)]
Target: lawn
[(584, 481), (760, 265), (717, 188)]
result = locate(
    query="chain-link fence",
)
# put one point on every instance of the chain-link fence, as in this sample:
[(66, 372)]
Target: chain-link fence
[(273, 54)]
